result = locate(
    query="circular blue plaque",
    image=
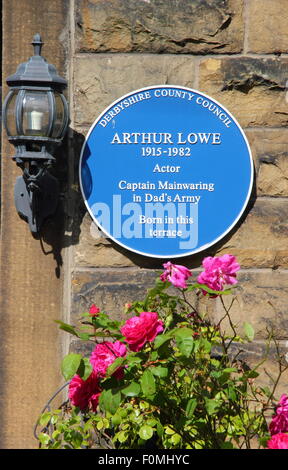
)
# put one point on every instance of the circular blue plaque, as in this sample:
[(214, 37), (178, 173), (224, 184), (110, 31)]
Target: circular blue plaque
[(166, 171)]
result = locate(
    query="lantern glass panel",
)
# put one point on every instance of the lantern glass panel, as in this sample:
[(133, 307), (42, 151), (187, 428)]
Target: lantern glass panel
[(35, 113), (11, 114), (59, 116)]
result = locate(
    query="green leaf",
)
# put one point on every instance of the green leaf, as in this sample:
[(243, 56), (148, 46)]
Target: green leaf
[(102, 424), (85, 368), (122, 436), (227, 445), (159, 371), (70, 365), (77, 439), (116, 419), (154, 356), (134, 359), (232, 393), (169, 431), (175, 439), (145, 432), (252, 374), (84, 336), (44, 419), (190, 407), (131, 390), (148, 383), (69, 328), (266, 391), (54, 419), (203, 344), (44, 438), (264, 439), (116, 364), (229, 370), (249, 331), (110, 401), (103, 321), (152, 422), (211, 291), (182, 332), (185, 341), (159, 429), (161, 339), (56, 434), (211, 406)]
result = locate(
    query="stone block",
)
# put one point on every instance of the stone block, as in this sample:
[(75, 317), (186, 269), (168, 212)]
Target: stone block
[(96, 250), (267, 26), (266, 360), (261, 240), (260, 299), (109, 289), (101, 79), (252, 89), (269, 150), (160, 26)]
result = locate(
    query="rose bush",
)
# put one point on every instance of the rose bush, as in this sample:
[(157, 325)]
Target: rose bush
[(168, 376)]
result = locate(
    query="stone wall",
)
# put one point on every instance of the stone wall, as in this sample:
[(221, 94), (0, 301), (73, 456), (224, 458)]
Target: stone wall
[(236, 52)]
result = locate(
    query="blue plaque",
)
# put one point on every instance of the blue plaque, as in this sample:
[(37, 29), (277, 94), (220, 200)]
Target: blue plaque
[(166, 171)]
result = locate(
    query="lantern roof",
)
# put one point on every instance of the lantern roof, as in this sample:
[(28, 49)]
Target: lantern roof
[(36, 70)]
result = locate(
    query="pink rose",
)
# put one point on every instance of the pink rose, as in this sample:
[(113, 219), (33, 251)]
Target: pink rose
[(279, 421), (218, 272), (139, 330), (176, 274), (84, 393), (104, 355), (93, 310), (278, 441)]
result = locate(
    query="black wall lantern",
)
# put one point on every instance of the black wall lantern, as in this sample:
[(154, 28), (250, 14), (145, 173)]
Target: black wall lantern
[(35, 115)]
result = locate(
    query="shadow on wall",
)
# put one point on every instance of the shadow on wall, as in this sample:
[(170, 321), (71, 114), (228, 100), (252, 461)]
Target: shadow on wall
[(64, 228)]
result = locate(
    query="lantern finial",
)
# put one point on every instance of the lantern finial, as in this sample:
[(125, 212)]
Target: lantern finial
[(37, 44)]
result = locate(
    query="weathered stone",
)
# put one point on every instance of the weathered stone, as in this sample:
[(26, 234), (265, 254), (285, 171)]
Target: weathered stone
[(101, 79), (269, 372), (253, 90), (160, 26), (269, 150), (109, 289), (267, 26), (95, 249), (266, 360), (260, 300), (261, 241), (273, 175)]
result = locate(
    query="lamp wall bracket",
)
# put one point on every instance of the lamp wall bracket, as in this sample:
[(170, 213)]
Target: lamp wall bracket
[(36, 197)]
